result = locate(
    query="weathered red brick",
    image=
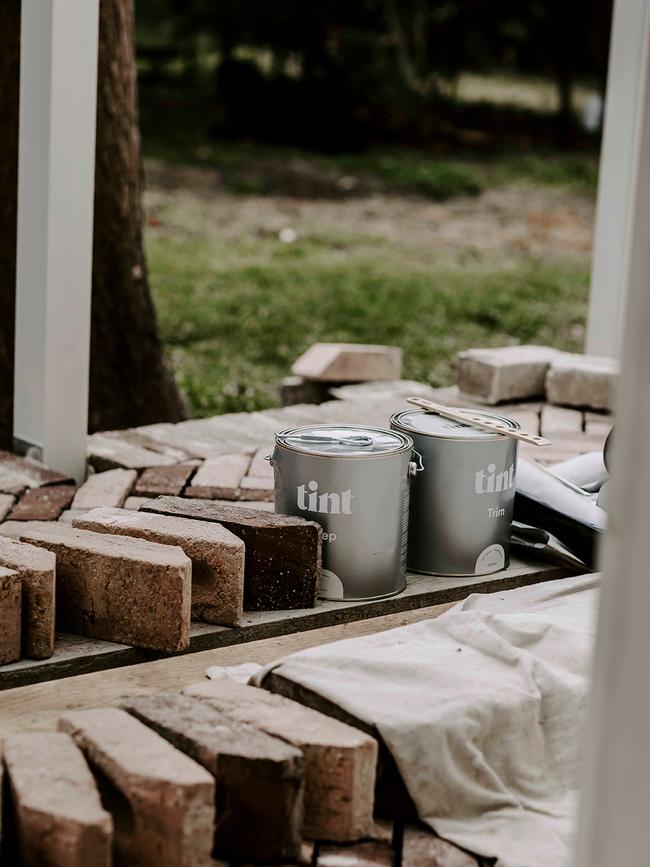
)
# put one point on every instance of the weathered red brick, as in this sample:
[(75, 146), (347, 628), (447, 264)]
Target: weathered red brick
[(217, 556), (256, 488), (36, 568), (105, 489), (422, 848), (17, 473), (349, 362), (165, 801), (6, 505), (135, 502), (116, 588), (259, 778), (43, 504), (159, 481), (58, 817), (283, 553), (369, 854), (219, 477), (10, 592), (340, 761), (132, 450)]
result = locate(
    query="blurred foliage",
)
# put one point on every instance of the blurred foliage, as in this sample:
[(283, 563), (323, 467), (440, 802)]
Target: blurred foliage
[(335, 75)]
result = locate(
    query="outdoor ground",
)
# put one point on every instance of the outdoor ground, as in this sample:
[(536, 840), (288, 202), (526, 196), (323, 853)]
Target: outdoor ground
[(257, 253)]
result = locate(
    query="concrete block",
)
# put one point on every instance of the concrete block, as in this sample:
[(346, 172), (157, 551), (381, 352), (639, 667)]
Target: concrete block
[(508, 373), (349, 362), (586, 381)]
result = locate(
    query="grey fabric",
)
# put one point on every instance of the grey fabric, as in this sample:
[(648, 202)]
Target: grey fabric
[(482, 709)]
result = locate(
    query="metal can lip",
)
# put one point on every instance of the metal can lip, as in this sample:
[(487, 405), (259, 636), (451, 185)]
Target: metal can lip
[(374, 598), (355, 448), (483, 435)]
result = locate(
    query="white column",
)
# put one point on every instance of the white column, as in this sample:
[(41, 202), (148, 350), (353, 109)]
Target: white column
[(616, 179), (56, 164), (614, 825)]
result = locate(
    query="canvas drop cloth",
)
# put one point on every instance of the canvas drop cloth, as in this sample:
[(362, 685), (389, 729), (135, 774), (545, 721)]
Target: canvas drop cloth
[(482, 709)]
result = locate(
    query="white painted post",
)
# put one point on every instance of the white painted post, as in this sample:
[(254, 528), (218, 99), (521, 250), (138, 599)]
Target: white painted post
[(615, 811), (616, 179), (56, 164)]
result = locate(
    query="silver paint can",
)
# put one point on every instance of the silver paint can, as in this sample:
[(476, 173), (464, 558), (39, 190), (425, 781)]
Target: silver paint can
[(463, 501), (355, 482)]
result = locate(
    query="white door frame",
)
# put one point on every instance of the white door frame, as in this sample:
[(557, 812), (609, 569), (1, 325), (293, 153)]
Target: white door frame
[(616, 179), (56, 167), (614, 825)]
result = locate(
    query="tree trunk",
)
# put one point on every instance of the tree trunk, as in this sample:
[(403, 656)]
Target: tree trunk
[(130, 383)]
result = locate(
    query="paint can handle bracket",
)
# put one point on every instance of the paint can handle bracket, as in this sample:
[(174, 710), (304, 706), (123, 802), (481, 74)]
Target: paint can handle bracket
[(416, 466)]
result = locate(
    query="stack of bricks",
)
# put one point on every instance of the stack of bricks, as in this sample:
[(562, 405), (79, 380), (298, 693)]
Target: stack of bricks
[(222, 774), (139, 577)]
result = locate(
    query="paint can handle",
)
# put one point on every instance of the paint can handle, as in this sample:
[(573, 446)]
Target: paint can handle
[(360, 440), (415, 466)]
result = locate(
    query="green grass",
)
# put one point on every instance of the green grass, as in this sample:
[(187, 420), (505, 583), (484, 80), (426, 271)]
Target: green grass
[(248, 168), (234, 315)]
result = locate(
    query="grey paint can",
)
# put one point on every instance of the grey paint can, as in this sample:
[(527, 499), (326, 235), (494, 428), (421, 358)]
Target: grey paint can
[(462, 503), (355, 482)]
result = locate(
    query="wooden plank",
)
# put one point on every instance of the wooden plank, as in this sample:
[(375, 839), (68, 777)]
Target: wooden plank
[(38, 706), (74, 655)]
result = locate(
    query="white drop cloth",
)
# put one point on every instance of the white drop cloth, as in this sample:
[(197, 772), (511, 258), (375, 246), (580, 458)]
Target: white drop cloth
[(482, 709)]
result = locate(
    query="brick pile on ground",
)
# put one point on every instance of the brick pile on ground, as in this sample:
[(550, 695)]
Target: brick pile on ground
[(222, 774)]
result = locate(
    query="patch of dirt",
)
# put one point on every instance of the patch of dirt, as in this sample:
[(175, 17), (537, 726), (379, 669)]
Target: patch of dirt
[(518, 219)]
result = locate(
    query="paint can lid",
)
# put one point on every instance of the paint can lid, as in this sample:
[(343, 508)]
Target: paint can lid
[(344, 440), (422, 422)]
